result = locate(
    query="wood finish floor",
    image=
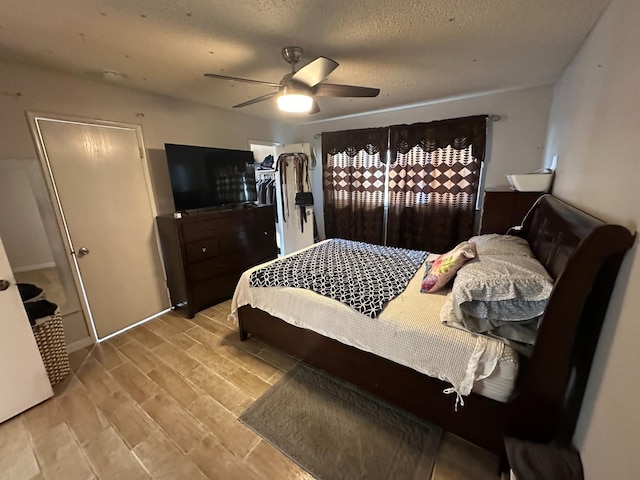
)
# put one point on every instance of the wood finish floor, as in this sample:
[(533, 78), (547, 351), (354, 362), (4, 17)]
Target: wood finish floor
[(161, 401)]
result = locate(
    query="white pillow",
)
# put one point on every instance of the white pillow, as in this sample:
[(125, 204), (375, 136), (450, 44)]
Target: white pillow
[(502, 287), (495, 244)]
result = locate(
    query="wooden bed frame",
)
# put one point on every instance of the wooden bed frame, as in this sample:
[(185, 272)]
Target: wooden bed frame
[(582, 254)]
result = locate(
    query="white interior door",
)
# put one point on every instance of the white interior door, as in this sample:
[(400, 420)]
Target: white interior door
[(23, 378), (100, 181)]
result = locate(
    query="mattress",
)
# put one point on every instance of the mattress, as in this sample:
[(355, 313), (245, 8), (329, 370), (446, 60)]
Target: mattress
[(408, 332)]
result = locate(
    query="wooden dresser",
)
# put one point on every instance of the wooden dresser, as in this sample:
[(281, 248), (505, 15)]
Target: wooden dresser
[(206, 252), (504, 208)]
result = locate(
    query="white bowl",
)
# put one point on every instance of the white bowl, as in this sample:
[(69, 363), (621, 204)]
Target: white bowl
[(531, 182)]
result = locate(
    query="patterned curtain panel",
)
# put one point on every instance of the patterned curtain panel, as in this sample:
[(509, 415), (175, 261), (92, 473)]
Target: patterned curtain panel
[(351, 142), (458, 133), (354, 183), (354, 196), (433, 183)]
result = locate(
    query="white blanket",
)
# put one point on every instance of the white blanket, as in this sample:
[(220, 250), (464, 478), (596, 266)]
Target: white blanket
[(408, 331)]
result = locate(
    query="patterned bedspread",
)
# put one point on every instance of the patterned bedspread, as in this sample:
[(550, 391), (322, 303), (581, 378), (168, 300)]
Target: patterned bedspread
[(361, 275)]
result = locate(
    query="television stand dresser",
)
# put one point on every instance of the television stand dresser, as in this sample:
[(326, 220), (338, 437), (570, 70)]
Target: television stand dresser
[(205, 252)]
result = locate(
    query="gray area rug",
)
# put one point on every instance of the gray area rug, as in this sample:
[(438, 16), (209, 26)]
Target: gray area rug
[(336, 431)]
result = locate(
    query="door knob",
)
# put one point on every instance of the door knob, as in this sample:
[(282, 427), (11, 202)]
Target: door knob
[(83, 251), (4, 284)]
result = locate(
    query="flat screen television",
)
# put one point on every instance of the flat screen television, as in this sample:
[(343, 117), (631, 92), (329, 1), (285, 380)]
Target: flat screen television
[(204, 177)]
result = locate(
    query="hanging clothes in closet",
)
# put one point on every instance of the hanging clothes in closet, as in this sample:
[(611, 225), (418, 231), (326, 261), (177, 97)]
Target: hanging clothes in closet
[(301, 184), (266, 188), (304, 197)]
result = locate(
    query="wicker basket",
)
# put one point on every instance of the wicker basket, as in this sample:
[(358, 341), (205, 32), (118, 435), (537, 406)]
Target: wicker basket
[(53, 348)]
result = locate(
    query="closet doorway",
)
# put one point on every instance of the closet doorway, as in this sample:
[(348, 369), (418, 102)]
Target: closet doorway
[(99, 183), (289, 234)]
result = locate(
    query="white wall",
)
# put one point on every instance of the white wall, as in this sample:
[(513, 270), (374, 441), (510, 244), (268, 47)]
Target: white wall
[(21, 228), (163, 120), (515, 144), (593, 128)]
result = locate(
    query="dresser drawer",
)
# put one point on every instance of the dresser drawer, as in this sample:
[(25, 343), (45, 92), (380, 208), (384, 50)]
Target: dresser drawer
[(249, 240), (202, 249), (226, 221), (210, 268), (220, 288), (203, 228)]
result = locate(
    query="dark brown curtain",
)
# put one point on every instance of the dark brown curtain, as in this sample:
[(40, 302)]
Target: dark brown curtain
[(433, 182), (353, 184)]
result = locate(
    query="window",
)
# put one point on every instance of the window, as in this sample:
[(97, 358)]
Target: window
[(431, 184)]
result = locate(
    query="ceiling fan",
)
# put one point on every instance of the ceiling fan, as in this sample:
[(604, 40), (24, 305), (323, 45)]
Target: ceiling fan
[(297, 89)]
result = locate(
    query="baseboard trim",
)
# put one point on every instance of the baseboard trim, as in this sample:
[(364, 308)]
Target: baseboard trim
[(80, 344), (37, 266)]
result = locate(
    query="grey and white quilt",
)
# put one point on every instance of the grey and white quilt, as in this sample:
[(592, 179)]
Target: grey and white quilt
[(361, 275)]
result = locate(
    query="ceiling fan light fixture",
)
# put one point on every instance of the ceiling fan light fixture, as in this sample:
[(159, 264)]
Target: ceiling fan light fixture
[(295, 102), (297, 89)]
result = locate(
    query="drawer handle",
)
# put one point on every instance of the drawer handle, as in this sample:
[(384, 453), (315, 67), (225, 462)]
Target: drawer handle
[(204, 249), (266, 233)]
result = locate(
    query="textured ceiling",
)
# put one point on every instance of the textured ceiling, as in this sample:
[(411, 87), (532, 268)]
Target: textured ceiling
[(413, 50)]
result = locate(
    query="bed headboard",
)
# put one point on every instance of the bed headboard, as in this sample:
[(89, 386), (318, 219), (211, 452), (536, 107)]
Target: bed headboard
[(583, 255)]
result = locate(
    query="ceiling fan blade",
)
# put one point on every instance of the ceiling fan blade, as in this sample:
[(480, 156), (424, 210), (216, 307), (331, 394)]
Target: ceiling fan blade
[(315, 71), (333, 90), (256, 100), (245, 80)]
